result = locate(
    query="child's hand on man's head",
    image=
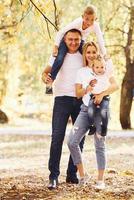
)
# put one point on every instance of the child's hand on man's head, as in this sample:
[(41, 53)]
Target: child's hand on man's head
[(55, 51), (106, 57)]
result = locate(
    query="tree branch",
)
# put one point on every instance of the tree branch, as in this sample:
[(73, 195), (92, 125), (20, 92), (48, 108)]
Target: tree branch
[(8, 26), (115, 45), (110, 19), (48, 29), (24, 15), (20, 2), (126, 6), (43, 15), (55, 14)]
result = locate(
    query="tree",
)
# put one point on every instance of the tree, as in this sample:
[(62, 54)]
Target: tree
[(128, 80), (119, 29)]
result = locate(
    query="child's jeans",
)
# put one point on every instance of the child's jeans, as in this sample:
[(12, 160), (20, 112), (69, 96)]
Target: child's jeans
[(62, 51), (103, 110)]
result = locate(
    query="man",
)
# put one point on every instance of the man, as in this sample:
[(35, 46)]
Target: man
[(65, 105)]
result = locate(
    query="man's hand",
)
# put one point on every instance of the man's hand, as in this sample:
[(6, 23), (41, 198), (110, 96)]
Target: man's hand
[(46, 78), (55, 51)]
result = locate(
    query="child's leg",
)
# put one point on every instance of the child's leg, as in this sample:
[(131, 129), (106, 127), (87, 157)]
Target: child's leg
[(104, 113), (81, 45), (91, 111), (91, 114), (62, 50)]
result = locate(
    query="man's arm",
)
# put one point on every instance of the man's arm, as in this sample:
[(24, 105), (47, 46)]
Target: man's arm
[(46, 75)]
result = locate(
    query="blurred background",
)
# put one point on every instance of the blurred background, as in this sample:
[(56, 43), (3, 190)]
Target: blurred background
[(27, 32)]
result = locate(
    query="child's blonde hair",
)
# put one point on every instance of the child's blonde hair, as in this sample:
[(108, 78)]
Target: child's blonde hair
[(90, 10), (85, 49), (99, 58)]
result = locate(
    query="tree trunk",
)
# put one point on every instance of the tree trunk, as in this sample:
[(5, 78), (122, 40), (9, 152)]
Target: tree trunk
[(127, 97), (3, 117)]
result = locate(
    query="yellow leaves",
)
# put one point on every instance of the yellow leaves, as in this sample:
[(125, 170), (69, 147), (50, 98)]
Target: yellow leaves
[(2, 9), (7, 3), (48, 6), (128, 173)]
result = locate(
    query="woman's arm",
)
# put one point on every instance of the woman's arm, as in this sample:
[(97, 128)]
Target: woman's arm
[(112, 88), (80, 91)]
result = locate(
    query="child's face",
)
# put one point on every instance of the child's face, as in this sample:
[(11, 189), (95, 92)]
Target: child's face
[(98, 67), (91, 53), (88, 20)]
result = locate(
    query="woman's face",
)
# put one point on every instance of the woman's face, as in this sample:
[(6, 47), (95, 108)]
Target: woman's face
[(91, 53)]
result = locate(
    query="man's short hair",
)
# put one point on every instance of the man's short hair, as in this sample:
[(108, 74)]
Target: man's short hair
[(73, 31)]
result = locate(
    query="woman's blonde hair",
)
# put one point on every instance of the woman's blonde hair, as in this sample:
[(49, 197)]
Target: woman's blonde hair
[(84, 49)]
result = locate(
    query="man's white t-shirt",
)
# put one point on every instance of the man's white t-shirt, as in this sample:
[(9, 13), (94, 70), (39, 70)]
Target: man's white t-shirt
[(64, 84), (77, 24), (85, 75)]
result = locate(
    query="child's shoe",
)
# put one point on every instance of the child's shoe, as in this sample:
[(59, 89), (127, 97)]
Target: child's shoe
[(100, 185)]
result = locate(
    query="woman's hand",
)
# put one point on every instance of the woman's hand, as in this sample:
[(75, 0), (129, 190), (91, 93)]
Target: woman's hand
[(89, 89), (98, 98)]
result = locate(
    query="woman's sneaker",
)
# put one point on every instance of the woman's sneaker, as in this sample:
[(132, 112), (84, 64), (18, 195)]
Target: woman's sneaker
[(100, 185), (84, 180)]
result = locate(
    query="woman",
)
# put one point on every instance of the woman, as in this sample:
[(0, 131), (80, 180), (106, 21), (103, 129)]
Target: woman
[(82, 123)]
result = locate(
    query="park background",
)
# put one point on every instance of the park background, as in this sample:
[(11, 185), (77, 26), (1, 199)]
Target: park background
[(27, 32)]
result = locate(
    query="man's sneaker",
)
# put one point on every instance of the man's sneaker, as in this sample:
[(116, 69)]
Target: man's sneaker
[(73, 180), (53, 183), (100, 185)]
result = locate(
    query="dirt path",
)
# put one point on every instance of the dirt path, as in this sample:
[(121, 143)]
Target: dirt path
[(24, 173)]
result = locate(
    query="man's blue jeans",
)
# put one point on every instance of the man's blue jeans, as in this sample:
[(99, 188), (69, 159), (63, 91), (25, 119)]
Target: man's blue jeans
[(62, 51), (64, 107)]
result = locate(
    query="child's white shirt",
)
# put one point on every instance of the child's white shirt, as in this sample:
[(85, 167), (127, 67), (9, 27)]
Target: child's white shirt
[(77, 24), (85, 75)]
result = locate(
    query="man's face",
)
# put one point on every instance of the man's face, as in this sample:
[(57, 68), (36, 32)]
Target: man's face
[(72, 40)]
